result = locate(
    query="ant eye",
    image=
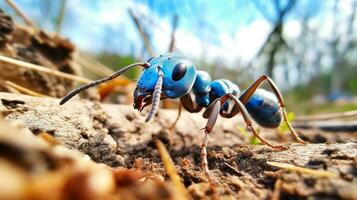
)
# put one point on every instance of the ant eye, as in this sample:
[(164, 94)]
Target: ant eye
[(150, 59), (179, 71)]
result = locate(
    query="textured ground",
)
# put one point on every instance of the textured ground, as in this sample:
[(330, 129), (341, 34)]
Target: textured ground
[(117, 136), (37, 47)]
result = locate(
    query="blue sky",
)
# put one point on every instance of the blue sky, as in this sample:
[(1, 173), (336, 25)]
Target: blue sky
[(225, 31), (216, 29)]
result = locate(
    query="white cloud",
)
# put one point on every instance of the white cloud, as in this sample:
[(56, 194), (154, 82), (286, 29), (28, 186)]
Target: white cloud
[(242, 45), (292, 29), (249, 39), (92, 22)]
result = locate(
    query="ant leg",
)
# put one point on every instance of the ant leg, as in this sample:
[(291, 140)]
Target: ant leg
[(246, 117), (177, 118), (248, 121), (295, 135), (204, 162), (249, 92), (211, 113), (189, 105), (207, 113)]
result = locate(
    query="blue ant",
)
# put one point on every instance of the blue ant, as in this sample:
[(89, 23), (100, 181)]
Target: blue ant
[(172, 76)]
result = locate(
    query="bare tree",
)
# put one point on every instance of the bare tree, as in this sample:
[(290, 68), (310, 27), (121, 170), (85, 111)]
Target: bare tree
[(340, 46), (174, 26), (144, 35), (60, 17), (275, 41)]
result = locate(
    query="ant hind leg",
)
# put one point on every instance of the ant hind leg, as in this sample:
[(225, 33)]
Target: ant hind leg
[(248, 121), (249, 92)]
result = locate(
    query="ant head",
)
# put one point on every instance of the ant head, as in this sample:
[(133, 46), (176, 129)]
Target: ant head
[(179, 75)]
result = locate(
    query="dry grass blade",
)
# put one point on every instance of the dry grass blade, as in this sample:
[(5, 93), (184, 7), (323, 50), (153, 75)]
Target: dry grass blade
[(313, 172), (24, 90), (329, 116), (49, 138), (232, 168), (43, 69), (277, 190), (94, 65), (143, 33), (181, 192), (19, 12)]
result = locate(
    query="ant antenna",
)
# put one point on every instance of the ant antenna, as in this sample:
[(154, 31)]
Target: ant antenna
[(156, 96), (100, 81)]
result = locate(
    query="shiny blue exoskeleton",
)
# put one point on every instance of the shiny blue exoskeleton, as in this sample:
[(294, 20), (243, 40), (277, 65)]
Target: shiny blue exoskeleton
[(173, 87), (173, 76), (182, 78)]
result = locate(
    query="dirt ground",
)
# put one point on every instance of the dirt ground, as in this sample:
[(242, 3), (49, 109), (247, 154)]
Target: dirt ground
[(117, 136), (37, 47)]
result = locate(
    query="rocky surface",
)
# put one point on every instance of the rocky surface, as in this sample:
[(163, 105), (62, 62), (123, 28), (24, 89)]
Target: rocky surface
[(37, 47), (118, 136)]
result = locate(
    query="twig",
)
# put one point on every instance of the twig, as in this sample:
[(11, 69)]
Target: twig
[(24, 90), (20, 13), (143, 34), (49, 138), (328, 116), (232, 168), (43, 69), (174, 26), (313, 172), (94, 65), (338, 126), (60, 17), (181, 192), (277, 189)]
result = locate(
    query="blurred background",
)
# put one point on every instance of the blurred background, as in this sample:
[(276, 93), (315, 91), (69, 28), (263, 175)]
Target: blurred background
[(308, 47)]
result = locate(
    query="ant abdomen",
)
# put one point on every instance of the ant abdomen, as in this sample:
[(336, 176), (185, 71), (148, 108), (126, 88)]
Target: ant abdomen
[(263, 107)]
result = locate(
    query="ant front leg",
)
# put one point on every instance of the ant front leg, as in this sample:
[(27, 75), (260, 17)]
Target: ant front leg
[(249, 92), (172, 126), (177, 118), (189, 105)]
